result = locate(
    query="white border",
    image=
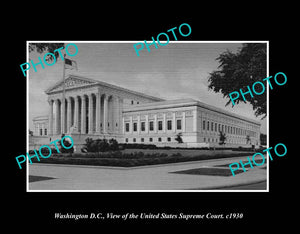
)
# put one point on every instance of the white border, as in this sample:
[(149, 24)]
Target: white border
[(185, 191)]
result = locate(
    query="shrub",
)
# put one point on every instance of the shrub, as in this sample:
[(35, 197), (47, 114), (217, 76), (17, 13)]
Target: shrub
[(137, 146), (100, 145), (66, 144), (113, 145)]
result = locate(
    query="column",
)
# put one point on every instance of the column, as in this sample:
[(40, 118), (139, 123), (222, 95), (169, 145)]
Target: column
[(130, 125), (83, 115), (121, 114), (195, 121), (62, 114), (164, 122), (76, 113), (116, 114), (123, 125), (69, 112), (138, 124), (57, 117), (50, 131), (105, 114), (90, 113), (98, 111), (155, 123), (147, 124), (183, 121), (174, 122)]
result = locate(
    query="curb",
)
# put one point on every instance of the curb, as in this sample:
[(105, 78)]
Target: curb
[(136, 167), (235, 185)]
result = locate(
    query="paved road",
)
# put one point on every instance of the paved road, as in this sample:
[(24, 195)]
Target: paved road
[(154, 178), (254, 186)]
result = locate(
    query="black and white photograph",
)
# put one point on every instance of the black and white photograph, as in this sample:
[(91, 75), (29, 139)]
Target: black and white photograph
[(160, 121), (113, 120)]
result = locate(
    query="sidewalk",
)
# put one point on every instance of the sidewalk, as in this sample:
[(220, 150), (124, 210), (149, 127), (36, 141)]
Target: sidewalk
[(144, 178)]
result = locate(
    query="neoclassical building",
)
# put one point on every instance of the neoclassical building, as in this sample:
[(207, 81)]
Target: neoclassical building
[(89, 108)]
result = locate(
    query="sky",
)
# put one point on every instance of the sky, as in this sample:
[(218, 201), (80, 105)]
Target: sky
[(174, 71)]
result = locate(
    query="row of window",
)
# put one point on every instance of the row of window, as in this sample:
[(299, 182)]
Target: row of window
[(151, 125), (41, 131), (233, 141), (150, 139), (168, 139), (211, 126)]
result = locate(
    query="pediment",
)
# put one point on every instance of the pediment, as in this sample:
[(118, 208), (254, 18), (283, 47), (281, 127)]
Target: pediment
[(71, 82)]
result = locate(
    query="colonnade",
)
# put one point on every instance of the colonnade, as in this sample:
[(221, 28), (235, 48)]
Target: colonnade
[(91, 113)]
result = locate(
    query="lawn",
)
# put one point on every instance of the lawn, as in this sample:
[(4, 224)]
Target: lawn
[(139, 157), (33, 178), (187, 152), (209, 171)]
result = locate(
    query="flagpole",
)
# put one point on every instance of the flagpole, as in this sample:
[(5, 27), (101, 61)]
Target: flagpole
[(64, 94)]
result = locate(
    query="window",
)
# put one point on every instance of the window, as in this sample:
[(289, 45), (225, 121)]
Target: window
[(142, 126), (150, 139), (159, 139), (132, 102), (151, 126), (134, 127), (207, 125), (160, 125), (216, 127), (178, 124), (134, 140), (127, 127), (212, 126), (169, 124), (203, 125), (126, 140), (45, 131), (41, 131), (142, 139), (169, 139)]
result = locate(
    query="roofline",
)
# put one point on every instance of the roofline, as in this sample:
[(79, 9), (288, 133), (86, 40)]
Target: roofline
[(186, 103), (96, 82), (40, 117)]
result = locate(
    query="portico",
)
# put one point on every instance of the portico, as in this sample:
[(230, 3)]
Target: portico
[(89, 107)]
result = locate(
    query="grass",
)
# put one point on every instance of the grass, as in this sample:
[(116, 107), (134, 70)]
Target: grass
[(209, 171), (138, 157), (244, 162), (38, 178)]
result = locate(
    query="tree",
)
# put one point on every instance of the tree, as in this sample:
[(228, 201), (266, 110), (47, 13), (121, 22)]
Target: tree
[(222, 139), (43, 47), (179, 138), (238, 70)]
